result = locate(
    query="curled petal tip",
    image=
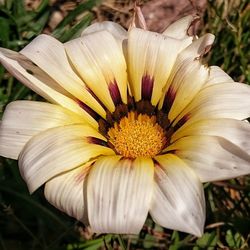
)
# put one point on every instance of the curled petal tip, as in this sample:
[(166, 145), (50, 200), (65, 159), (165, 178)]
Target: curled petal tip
[(192, 29)]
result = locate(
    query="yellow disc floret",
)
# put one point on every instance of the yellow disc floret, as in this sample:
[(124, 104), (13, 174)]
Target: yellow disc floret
[(137, 135)]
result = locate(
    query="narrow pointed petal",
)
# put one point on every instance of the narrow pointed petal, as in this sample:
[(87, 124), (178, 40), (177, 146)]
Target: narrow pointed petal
[(38, 81), (148, 67), (24, 119), (217, 76), (99, 61), (114, 28), (198, 47), (187, 72), (237, 132), (224, 100), (178, 200), (58, 150), (187, 79), (66, 192), (213, 158), (26, 71), (49, 54), (179, 28), (119, 193)]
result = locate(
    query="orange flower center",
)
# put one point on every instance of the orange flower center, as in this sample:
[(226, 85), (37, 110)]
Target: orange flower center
[(137, 135)]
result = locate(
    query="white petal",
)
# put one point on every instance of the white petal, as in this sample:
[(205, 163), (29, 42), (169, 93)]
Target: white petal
[(99, 60), (198, 47), (179, 28), (188, 73), (24, 119), (150, 60), (58, 150), (213, 158), (224, 100), (178, 200), (66, 192), (217, 75), (232, 130), (37, 80), (186, 80), (114, 28), (49, 54), (119, 193)]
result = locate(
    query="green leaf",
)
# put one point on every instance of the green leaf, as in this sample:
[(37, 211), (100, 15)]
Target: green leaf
[(18, 8), (77, 29), (88, 5), (233, 240), (207, 241), (5, 31), (43, 5), (90, 244)]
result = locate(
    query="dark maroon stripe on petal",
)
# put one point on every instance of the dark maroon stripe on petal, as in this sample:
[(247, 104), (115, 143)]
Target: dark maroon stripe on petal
[(97, 99), (147, 83), (181, 122), (94, 140), (79, 178), (168, 100), (89, 110), (115, 93), (158, 165)]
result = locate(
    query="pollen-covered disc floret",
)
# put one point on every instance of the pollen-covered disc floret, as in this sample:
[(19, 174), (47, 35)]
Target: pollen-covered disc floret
[(137, 135)]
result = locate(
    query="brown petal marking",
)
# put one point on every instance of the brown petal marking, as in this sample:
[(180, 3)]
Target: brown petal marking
[(94, 140), (121, 110), (145, 107), (97, 99), (181, 122), (158, 165), (115, 93), (147, 83), (168, 100), (103, 127), (162, 119), (82, 175), (89, 110), (161, 178)]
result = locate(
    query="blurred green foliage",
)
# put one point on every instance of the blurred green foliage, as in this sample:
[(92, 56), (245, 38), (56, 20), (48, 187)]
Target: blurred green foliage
[(29, 222)]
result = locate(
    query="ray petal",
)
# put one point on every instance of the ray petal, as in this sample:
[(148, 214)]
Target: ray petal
[(66, 192), (224, 100), (24, 119), (37, 80), (187, 72), (119, 193), (150, 60), (178, 200), (179, 28), (213, 158), (232, 130), (58, 150), (217, 76), (49, 54), (187, 79), (114, 28), (99, 61)]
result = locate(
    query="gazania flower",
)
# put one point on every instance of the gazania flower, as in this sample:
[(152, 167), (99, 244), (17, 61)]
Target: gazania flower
[(135, 125)]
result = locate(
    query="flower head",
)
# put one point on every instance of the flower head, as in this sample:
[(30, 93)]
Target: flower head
[(135, 124)]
